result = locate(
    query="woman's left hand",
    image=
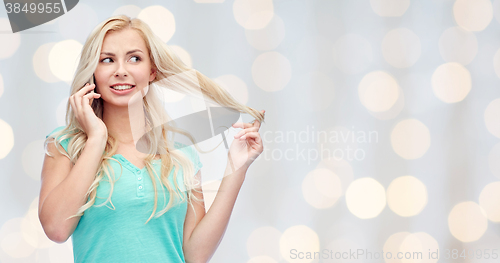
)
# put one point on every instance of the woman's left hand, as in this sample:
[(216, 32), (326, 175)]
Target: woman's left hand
[(246, 146)]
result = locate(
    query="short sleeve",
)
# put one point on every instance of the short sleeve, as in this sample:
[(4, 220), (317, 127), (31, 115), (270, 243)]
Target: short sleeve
[(196, 159), (65, 142), (192, 154)]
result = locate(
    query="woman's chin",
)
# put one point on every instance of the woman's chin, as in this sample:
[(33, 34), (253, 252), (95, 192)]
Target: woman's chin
[(123, 101)]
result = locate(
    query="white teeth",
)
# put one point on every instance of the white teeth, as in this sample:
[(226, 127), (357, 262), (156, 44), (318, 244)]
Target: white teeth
[(122, 87)]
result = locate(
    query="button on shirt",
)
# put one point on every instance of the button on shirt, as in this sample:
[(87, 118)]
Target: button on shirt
[(116, 232)]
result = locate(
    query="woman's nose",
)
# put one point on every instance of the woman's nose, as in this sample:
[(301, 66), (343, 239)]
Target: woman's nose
[(121, 70)]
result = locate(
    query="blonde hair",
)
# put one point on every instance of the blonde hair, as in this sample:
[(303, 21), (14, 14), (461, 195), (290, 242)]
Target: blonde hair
[(167, 64)]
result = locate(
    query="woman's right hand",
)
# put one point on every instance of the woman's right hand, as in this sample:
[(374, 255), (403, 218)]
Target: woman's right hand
[(92, 125)]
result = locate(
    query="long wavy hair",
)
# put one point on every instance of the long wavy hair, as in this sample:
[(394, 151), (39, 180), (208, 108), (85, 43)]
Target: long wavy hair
[(167, 64)]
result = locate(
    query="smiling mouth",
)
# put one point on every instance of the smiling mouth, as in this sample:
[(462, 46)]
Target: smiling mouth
[(122, 87)]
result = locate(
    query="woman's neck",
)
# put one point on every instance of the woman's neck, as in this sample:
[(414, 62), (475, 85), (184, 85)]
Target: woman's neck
[(126, 124)]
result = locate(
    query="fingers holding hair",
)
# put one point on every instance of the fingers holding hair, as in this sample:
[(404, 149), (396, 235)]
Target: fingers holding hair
[(245, 125)]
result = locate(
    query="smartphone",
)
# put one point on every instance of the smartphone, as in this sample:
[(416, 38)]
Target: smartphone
[(92, 81)]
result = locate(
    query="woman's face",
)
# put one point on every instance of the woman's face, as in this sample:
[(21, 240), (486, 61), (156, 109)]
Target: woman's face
[(124, 60)]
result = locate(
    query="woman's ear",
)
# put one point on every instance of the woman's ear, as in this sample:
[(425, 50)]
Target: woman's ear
[(152, 76)]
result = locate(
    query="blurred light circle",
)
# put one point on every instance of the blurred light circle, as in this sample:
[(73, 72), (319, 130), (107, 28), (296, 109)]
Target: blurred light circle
[(473, 15), (160, 20), (406, 196), (451, 82), (378, 91), (393, 244), (410, 139), (489, 200), (395, 110), (467, 221), (253, 14), (390, 8), (411, 243), (301, 238), (365, 198), (420, 245), (41, 63), (64, 58)]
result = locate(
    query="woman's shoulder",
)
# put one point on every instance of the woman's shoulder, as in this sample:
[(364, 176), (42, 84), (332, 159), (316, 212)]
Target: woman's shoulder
[(54, 131), (58, 133), (191, 152), (183, 147), (179, 145)]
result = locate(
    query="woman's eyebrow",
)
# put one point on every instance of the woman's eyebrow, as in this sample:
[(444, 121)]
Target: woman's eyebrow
[(130, 52)]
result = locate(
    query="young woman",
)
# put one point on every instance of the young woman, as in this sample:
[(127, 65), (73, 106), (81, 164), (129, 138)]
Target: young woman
[(105, 193)]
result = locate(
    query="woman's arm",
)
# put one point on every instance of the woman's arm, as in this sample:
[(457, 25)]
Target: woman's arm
[(200, 245), (64, 188), (207, 235)]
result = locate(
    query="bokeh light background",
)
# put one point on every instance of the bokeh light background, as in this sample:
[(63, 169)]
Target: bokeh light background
[(382, 121)]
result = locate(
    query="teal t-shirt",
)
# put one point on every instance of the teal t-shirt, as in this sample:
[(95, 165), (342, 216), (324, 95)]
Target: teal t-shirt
[(120, 235)]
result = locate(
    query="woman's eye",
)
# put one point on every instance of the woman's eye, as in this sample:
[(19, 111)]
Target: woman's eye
[(138, 58)]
